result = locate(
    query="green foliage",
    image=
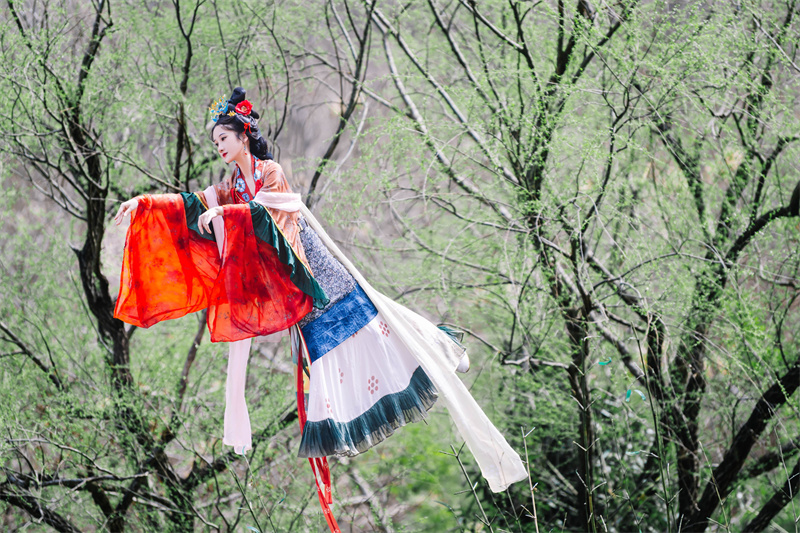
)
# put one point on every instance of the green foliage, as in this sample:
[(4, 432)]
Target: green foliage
[(559, 207)]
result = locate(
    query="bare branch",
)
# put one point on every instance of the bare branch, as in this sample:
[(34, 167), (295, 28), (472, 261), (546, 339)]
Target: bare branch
[(33, 507), (52, 372), (778, 501), (386, 28), (727, 471)]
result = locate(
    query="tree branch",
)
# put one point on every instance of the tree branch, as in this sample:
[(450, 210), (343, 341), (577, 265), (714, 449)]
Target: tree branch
[(52, 372), (724, 475), (778, 501), (40, 512)]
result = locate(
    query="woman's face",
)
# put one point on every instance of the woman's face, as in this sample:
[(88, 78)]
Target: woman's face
[(228, 144)]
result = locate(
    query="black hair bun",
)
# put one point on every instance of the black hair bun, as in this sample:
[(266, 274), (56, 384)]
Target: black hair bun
[(236, 122), (236, 97)]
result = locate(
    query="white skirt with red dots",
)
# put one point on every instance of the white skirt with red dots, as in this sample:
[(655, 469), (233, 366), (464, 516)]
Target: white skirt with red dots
[(375, 365), (363, 382)]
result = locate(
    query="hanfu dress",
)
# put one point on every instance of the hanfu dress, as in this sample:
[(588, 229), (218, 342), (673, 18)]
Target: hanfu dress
[(269, 268)]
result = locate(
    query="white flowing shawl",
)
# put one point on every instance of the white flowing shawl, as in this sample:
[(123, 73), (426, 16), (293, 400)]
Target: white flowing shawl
[(433, 349)]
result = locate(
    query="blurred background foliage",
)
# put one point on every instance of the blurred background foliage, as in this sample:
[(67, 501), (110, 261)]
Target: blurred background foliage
[(603, 195)]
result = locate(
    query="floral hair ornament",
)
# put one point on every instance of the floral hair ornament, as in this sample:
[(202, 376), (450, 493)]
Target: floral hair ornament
[(219, 107), (244, 107)]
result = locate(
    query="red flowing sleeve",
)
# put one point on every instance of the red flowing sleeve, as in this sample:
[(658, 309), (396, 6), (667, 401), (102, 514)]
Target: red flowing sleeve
[(254, 294), (168, 271)]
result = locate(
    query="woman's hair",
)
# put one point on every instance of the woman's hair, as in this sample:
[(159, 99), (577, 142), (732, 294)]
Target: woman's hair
[(237, 122)]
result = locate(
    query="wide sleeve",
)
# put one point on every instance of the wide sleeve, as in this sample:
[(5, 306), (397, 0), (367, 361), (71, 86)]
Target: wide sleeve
[(262, 287), (168, 270), (252, 282)]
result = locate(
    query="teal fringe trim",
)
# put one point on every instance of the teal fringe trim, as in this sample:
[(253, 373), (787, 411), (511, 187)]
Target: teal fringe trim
[(328, 437), (265, 229), (456, 335)]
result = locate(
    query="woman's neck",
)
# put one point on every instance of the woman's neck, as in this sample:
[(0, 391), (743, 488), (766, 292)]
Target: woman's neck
[(245, 163)]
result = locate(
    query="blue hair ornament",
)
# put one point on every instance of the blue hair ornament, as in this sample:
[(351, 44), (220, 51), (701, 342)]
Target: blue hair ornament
[(219, 107)]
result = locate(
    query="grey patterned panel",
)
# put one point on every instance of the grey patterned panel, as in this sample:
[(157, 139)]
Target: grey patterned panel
[(332, 276)]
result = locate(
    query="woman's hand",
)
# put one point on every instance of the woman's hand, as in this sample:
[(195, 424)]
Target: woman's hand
[(126, 207), (205, 219)]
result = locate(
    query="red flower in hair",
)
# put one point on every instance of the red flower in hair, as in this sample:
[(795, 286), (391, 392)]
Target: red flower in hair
[(243, 107)]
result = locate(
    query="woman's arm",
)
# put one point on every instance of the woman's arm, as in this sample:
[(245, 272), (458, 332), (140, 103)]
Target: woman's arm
[(130, 207)]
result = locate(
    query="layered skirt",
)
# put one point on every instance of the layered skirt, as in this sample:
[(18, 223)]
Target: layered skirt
[(364, 383)]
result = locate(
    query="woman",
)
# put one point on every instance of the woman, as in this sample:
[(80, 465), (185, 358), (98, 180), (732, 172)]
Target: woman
[(249, 251)]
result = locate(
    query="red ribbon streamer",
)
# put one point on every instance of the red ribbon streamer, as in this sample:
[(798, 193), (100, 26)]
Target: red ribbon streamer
[(319, 465)]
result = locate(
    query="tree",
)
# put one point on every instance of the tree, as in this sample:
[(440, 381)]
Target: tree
[(122, 115), (603, 195), (556, 130)]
